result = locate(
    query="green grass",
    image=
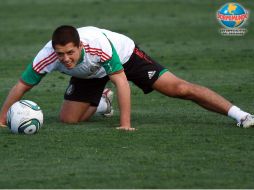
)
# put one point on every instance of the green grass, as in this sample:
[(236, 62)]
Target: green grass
[(177, 144)]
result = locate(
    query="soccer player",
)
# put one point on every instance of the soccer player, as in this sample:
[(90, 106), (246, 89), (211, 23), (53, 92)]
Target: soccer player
[(93, 56)]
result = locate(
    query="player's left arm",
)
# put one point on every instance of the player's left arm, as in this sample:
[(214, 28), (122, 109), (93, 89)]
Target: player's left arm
[(115, 71), (124, 99)]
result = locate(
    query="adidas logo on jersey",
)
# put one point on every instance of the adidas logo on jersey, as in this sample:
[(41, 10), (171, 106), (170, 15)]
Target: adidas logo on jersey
[(151, 74)]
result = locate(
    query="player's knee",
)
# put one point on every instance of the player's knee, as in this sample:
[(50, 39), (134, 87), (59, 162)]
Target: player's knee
[(189, 91), (184, 90), (69, 120)]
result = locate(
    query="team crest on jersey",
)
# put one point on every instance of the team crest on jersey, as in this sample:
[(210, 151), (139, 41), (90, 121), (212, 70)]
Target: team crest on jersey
[(94, 69), (70, 89)]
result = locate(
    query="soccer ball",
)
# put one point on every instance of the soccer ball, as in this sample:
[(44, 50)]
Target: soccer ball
[(24, 117)]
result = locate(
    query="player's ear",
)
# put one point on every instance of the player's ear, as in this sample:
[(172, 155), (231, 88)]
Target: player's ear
[(80, 45)]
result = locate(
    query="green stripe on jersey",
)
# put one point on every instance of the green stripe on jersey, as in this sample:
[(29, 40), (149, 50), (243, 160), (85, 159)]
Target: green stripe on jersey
[(81, 59), (114, 64), (31, 77)]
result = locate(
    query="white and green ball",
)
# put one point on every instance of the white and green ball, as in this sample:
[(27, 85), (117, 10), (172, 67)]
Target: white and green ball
[(24, 117)]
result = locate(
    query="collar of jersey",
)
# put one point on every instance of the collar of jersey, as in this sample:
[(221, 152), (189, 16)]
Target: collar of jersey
[(81, 56)]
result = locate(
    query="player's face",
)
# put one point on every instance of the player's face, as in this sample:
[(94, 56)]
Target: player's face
[(68, 54)]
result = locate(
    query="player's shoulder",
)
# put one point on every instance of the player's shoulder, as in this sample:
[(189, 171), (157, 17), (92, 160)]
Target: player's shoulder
[(45, 56), (93, 36), (46, 50), (89, 31)]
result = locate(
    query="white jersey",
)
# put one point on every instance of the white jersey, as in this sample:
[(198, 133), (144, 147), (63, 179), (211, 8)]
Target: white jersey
[(99, 46)]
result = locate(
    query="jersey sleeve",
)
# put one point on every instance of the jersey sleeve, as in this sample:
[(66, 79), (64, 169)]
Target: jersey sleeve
[(31, 77), (114, 64), (43, 63)]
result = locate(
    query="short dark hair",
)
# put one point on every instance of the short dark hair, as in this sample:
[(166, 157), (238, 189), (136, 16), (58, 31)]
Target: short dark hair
[(65, 34)]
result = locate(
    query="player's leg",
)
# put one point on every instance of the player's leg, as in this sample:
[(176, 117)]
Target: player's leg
[(148, 75), (74, 112), (173, 86), (82, 98)]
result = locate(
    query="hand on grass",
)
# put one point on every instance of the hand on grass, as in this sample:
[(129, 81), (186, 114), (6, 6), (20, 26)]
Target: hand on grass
[(125, 128), (2, 125)]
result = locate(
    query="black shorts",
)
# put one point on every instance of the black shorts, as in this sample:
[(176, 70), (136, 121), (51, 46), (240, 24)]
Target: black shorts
[(140, 69), (86, 90)]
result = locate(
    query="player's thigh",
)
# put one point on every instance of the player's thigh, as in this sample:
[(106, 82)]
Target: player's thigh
[(171, 85), (85, 90), (73, 111)]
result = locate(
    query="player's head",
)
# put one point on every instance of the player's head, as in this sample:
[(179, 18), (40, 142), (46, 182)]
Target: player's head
[(66, 43), (65, 34)]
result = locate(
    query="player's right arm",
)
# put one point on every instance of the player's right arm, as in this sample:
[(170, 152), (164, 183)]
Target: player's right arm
[(42, 64), (15, 94), (28, 79)]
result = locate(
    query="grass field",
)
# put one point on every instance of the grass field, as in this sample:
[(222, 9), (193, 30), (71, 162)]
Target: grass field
[(177, 144)]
